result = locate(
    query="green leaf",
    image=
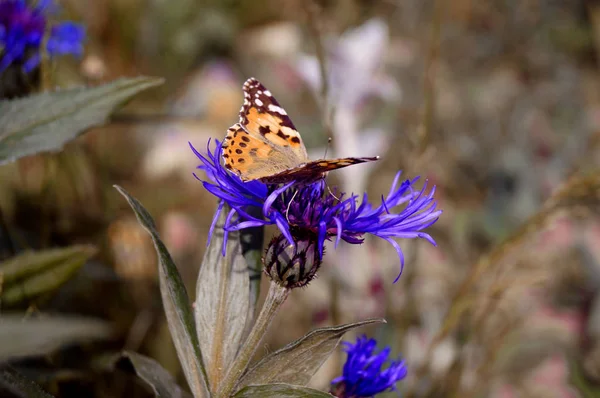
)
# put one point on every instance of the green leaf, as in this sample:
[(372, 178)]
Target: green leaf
[(297, 362), (280, 391), (37, 336), (20, 385), (176, 304), (31, 262), (155, 376), (46, 121), (31, 274), (222, 301)]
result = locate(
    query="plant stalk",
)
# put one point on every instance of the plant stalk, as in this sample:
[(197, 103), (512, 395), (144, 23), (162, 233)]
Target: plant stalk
[(275, 298)]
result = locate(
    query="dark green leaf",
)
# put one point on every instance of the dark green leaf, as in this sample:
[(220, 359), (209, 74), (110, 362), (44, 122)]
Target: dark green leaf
[(161, 382), (45, 122), (31, 262), (31, 274), (176, 304), (37, 336), (222, 300), (20, 385), (280, 391), (297, 362)]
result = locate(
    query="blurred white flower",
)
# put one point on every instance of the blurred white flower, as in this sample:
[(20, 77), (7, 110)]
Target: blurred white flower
[(166, 155), (354, 72), (354, 66)]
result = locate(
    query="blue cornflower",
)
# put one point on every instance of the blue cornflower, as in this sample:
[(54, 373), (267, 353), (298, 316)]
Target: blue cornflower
[(312, 212), (22, 29), (363, 375)]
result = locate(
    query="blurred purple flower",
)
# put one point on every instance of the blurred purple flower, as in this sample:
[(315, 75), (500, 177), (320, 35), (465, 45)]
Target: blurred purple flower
[(363, 375), (22, 29), (313, 212)]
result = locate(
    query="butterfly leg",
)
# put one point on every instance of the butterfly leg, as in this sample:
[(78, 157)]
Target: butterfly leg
[(331, 193)]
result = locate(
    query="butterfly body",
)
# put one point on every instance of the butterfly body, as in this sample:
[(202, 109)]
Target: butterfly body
[(265, 145)]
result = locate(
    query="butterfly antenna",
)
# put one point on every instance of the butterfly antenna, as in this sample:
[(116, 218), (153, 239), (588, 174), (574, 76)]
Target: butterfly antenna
[(287, 211), (329, 139)]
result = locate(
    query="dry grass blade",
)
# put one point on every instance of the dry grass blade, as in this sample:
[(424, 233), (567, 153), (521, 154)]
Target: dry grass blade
[(579, 195), (426, 126), (312, 12)]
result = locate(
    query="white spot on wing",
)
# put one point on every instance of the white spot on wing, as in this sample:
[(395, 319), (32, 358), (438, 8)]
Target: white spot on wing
[(258, 102), (277, 109), (268, 93), (288, 131)]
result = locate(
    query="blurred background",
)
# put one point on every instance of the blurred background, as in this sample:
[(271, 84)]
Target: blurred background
[(496, 103)]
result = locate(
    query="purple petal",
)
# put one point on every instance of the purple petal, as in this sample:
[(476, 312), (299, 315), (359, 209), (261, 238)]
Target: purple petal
[(214, 222), (225, 234), (339, 230)]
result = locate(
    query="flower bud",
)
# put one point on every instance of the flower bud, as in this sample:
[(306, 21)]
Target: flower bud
[(291, 266)]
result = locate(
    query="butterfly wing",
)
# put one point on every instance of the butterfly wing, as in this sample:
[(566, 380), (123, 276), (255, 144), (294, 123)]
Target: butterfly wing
[(251, 157), (266, 146), (261, 115), (314, 170), (265, 141)]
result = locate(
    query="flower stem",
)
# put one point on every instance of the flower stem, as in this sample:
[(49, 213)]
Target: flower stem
[(275, 298)]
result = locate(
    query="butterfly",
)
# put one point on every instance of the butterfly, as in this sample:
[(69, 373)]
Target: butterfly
[(264, 145)]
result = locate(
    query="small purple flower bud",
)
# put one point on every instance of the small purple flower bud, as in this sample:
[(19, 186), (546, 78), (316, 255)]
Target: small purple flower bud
[(367, 371), (292, 266)]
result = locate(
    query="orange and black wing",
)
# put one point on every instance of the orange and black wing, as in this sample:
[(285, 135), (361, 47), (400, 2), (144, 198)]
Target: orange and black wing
[(314, 170)]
